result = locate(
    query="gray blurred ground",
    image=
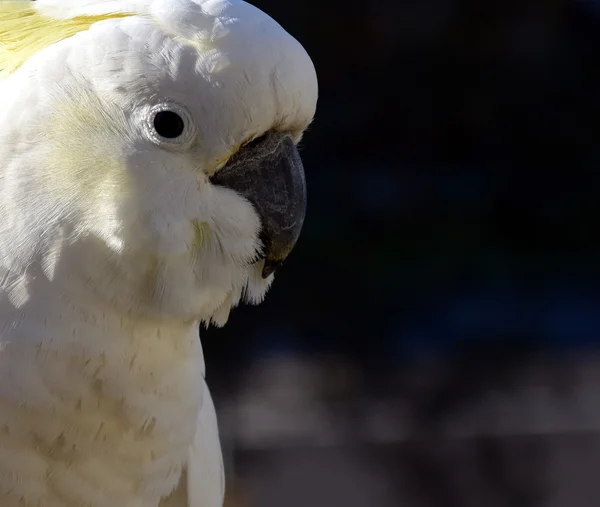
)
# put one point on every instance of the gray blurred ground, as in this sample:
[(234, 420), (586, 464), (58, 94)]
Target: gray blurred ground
[(532, 440)]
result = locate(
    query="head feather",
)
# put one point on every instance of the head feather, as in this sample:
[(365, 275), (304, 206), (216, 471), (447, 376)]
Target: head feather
[(24, 32)]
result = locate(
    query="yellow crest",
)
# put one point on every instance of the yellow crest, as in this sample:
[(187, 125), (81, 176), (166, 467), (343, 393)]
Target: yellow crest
[(24, 32)]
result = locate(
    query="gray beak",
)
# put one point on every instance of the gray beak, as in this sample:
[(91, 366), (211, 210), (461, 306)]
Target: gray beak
[(269, 173)]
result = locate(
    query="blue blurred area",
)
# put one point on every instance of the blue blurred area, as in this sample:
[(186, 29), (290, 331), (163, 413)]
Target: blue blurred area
[(561, 318)]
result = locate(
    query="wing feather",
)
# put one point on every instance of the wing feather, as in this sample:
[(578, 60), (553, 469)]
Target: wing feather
[(203, 482)]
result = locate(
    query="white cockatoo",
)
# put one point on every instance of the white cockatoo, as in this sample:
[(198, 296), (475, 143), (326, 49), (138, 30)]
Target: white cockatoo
[(149, 182)]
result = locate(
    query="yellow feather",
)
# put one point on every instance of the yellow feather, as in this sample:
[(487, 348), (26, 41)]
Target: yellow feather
[(24, 32), (200, 230)]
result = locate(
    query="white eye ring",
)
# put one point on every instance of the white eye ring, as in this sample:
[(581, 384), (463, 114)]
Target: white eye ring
[(169, 124)]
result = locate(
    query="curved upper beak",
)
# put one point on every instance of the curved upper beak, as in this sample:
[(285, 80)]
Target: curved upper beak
[(269, 173)]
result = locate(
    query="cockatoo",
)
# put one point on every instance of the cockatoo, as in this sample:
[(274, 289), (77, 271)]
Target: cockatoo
[(150, 180)]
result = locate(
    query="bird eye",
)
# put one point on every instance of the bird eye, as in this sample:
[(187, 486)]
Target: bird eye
[(168, 124)]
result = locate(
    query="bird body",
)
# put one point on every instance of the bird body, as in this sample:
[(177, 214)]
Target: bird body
[(149, 182)]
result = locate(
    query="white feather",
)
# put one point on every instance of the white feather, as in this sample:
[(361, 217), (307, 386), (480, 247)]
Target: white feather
[(206, 476)]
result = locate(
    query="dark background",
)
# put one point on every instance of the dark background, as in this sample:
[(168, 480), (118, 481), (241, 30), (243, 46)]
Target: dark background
[(432, 339)]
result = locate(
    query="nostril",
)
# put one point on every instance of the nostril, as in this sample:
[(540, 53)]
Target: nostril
[(256, 141), (247, 153)]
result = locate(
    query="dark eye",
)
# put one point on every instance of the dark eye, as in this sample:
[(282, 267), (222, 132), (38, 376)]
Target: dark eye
[(168, 124)]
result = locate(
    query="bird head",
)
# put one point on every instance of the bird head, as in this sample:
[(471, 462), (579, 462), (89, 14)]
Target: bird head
[(150, 149)]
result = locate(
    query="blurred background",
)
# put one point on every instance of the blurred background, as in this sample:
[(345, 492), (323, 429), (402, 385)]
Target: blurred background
[(434, 339)]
